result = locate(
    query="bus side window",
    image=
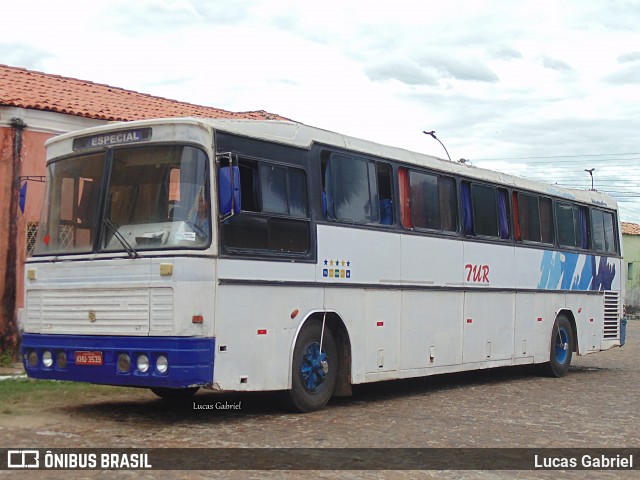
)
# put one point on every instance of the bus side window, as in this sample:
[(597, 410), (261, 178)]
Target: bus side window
[(485, 207), (503, 213), (485, 211), (405, 198), (433, 201), (356, 190), (467, 212), (448, 203), (516, 216), (534, 218), (546, 220), (328, 209), (572, 225), (274, 217), (529, 216), (250, 199), (385, 194), (602, 231), (284, 190)]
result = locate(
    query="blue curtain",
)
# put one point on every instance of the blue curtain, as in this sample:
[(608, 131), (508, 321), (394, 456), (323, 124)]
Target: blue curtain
[(467, 216), (23, 196), (502, 214), (386, 211), (327, 197)]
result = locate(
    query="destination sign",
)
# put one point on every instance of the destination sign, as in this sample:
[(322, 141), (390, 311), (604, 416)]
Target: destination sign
[(112, 138)]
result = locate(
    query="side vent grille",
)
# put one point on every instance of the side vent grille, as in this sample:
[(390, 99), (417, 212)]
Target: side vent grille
[(611, 315)]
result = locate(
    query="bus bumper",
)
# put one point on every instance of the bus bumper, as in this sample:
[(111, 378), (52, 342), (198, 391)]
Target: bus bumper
[(103, 360)]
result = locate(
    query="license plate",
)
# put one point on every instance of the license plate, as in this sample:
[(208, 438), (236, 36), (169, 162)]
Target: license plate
[(88, 358)]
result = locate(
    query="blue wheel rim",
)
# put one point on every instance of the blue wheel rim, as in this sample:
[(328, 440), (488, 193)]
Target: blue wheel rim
[(314, 367), (562, 345)]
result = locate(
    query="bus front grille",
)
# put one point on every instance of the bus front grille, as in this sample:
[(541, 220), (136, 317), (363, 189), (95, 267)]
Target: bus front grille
[(98, 311)]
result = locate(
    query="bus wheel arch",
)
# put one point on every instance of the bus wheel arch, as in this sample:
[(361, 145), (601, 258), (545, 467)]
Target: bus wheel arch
[(562, 344), (317, 375), (572, 322)]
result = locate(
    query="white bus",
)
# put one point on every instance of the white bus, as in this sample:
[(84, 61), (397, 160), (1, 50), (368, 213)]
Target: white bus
[(267, 255)]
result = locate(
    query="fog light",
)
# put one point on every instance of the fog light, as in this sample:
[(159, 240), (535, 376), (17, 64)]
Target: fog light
[(32, 358), (47, 359), (61, 360), (124, 363), (162, 364), (143, 363)]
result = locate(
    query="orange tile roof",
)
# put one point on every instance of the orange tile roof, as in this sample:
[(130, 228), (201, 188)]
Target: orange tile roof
[(24, 88), (630, 228)]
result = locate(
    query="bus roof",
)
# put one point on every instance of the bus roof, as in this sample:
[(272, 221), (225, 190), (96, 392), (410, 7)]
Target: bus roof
[(304, 136)]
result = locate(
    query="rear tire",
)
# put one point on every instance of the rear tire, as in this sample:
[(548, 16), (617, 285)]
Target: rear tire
[(314, 371), (560, 348), (175, 394)]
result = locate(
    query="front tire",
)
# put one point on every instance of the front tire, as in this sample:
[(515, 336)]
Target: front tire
[(561, 348), (314, 369)]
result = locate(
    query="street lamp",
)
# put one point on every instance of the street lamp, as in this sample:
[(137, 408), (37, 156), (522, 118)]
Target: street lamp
[(433, 134), (590, 171)]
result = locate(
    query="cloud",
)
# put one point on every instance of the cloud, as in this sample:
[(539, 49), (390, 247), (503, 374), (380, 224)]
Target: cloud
[(616, 16), (155, 16), (403, 71), (430, 70), (25, 56), (629, 57), (554, 64), (506, 53), (462, 68), (627, 75)]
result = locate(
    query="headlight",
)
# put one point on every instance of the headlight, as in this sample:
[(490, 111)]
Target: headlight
[(32, 358), (143, 363), (162, 364), (47, 359), (61, 360), (124, 363)]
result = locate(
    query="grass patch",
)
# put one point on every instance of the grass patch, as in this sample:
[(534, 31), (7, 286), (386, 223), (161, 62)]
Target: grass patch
[(25, 395)]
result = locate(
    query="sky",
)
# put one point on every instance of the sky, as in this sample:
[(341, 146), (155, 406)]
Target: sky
[(540, 89)]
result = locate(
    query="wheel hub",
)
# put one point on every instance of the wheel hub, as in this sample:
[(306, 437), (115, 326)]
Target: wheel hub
[(314, 368)]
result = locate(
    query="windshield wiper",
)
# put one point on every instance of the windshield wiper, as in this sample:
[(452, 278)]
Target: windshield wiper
[(126, 245)]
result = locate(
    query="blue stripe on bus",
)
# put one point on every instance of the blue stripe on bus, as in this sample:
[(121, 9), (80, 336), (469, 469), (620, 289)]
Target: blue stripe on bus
[(190, 359), (561, 270)]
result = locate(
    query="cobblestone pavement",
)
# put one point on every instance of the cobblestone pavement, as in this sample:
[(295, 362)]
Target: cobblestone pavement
[(595, 405)]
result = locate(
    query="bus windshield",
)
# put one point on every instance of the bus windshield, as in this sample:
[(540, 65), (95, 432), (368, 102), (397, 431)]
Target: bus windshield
[(129, 199)]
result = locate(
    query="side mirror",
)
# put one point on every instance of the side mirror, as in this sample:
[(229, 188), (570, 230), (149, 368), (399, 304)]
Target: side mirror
[(229, 190)]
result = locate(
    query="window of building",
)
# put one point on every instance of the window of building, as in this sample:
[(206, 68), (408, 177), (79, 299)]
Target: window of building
[(31, 237)]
